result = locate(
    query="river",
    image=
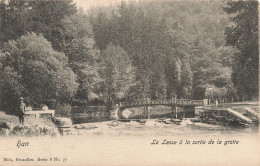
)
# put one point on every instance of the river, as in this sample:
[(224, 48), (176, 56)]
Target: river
[(154, 128)]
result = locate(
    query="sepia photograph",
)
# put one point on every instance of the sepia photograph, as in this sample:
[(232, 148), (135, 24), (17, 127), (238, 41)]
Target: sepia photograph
[(129, 82)]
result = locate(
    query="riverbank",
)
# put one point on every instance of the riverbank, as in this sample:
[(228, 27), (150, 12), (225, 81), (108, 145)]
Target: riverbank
[(9, 126), (153, 127)]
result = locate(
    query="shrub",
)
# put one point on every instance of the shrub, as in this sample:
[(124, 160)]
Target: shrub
[(63, 109)]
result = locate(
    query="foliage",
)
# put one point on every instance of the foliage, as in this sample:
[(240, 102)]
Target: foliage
[(63, 109), (10, 88), (40, 72), (177, 48), (243, 35), (117, 72), (83, 56), (55, 54), (45, 17)]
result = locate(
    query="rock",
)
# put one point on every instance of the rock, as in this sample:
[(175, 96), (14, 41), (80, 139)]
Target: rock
[(177, 121), (4, 132), (166, 121), (34, 130), (85, 126), (19, 130), (113, 123), (6, 125), (160, 120), (142, 121), (90, 126), (188, 121), (28, 108), (62, 122), (150, 123), (132, 123), (45, 108), (195, 119), (77, 126)]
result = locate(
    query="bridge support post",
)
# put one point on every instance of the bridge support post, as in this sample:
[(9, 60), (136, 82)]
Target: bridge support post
[(205, 103), (176, 112), (172, 111), (184, 112), (146, 112)]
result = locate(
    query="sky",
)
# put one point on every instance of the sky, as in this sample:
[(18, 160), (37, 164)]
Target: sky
[(87, 4)]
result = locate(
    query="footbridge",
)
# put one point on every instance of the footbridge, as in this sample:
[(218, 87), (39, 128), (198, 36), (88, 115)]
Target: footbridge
[(167, 102), (147, 109)]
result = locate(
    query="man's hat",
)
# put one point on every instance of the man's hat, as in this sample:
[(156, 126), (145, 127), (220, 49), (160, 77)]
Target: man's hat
[(21, 98)]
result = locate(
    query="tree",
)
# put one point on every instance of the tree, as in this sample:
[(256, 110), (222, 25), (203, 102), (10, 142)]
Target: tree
[(10, 88), (45, 17), (41, 72), (178, 48), (186, 80), (243, 35), (118, 74), (83, 56)]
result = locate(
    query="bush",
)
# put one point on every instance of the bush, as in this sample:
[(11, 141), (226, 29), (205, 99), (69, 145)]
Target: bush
[(63, 109), (35, 71)]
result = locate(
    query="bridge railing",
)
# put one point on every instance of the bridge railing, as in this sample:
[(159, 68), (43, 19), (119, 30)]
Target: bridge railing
[(162, 102)]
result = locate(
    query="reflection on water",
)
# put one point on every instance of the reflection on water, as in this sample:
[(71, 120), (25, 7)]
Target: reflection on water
[(90, 117)]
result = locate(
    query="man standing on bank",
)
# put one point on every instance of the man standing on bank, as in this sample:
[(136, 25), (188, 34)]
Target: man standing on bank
[(21, 110)]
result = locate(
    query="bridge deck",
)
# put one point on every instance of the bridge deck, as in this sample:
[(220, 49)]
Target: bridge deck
[(177, 102)]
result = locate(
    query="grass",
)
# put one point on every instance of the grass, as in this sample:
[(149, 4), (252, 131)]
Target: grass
[(32, 126), (27, 120)]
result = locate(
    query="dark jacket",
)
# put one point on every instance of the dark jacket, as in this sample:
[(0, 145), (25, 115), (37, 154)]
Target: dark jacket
[(21, 108)]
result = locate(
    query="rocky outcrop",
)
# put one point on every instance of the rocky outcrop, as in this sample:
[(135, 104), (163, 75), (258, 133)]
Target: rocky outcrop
[(35, 130), (6, 125), (27, 130), (4, 132), (85, 126), (62, 122)]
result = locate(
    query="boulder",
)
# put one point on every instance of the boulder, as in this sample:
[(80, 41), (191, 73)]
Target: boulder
[(6, 125), (113, 123), (45, 108), (62, 122), (4, 132), (28, 108), (34, 130), (85, 126)]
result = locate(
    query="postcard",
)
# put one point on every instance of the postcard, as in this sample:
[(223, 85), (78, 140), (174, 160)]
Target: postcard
[(149, 82)]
